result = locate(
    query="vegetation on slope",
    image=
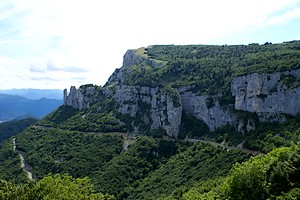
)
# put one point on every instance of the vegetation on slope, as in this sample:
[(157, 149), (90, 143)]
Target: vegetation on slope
[(10, 163), (59, 151), (152, 168), (121, 174), (12, 128), (272, 176), (182, 171), (211, 68), (69, 118)]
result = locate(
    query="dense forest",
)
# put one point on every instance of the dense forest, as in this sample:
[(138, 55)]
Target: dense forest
[(93, 153), (155, 168)]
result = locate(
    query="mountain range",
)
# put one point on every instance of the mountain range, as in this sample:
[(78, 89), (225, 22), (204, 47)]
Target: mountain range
[(35, 94), (13, 106)]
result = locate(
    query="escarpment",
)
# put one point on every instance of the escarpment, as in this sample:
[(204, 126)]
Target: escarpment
[(248, 99), (157, 108), (268, 95)]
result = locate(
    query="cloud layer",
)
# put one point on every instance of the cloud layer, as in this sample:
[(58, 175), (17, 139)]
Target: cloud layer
[(64, 40), (50, 67)]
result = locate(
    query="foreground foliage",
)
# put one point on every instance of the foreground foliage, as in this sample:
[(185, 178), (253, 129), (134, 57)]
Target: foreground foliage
[(275, 175), (272, 176), (51, 188)]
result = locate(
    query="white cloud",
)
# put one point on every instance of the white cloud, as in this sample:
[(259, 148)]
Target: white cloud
[(95, 34), (51, 67), (285, 17)]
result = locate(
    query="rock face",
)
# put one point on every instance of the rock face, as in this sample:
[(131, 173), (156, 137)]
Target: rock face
[(262, 97), (78, 98), (131, 57), (151, 106), (266, 95), (155, 107), (208, 109)]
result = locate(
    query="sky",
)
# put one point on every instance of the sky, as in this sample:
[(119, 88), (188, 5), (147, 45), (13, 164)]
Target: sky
[(53, 44)]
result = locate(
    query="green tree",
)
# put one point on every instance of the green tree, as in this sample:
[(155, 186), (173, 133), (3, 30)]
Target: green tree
[(55, 187), (275, 174), (247, 180)]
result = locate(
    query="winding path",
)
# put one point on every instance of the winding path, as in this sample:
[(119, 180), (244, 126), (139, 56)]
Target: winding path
[(225, 146), (27, 168), (129, 139)]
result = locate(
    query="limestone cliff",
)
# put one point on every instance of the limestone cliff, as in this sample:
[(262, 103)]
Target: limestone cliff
[(155, 107), (208, 109), (267, 95), (262, 97)]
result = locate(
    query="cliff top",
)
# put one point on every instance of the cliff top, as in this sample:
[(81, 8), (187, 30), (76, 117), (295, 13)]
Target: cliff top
[(209, 68)]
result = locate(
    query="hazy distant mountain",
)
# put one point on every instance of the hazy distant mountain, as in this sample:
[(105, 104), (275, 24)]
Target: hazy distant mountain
[(35, 93), (13, 106)]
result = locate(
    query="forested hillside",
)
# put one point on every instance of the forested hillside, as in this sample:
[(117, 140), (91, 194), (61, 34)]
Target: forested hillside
[(11, 128), (175, 122), (149, 168)]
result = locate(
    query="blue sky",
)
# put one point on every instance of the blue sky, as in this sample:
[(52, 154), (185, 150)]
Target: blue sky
[(59, 43)]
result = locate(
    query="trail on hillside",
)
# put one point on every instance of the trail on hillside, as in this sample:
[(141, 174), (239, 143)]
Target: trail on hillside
[(27, 168), (225, 146), (129, 139)]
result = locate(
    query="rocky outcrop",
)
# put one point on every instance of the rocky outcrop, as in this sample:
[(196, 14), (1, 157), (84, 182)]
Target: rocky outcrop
[(131, 57), (267, 95), (78, 98)]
